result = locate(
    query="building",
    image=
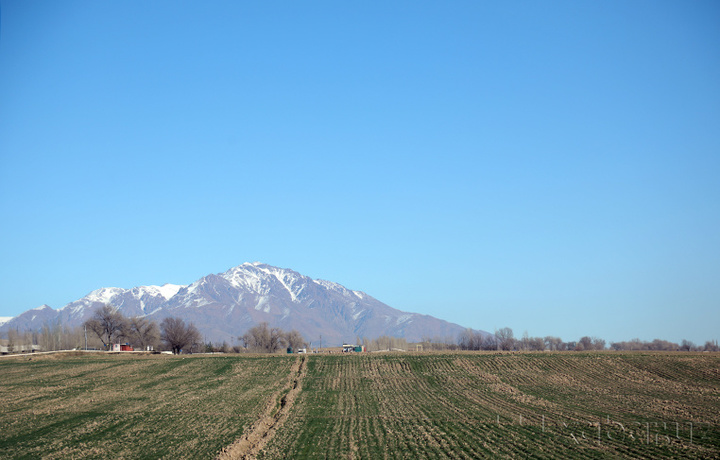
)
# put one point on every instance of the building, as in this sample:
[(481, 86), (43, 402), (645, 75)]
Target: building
[(346, 348)]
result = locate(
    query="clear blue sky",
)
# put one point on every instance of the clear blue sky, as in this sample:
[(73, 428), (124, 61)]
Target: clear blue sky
[(553, 167)]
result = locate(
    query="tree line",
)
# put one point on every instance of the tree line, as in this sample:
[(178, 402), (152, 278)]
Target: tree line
[(504, 339), (111, 326), (383, 343), (265, 339), (108, 326), (52, 336)]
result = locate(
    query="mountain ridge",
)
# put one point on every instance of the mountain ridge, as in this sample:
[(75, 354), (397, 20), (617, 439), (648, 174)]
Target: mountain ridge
[(225, 305)]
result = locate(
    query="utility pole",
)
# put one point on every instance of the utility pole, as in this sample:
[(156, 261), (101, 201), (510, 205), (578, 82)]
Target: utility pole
[(86, 337)]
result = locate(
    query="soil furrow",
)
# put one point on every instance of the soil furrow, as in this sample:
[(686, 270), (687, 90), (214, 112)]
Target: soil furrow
[(272, 418)]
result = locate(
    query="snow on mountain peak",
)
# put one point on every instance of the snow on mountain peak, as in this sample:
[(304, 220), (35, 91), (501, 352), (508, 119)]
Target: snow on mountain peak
[(338, 288), (5, 319), (104, 295), (259, 277), (245, 276), (167, 291), (247, 294)]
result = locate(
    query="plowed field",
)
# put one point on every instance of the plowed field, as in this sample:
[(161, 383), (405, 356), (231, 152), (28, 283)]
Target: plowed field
[(120, 406), (453, 405)]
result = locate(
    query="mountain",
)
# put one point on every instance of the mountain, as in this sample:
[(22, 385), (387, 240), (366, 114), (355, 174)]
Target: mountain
[(225, 305)]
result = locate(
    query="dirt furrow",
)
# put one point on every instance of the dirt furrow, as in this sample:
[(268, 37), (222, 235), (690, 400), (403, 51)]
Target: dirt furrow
[(272, 418)]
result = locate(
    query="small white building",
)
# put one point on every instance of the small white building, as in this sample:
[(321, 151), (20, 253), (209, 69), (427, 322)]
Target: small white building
[(20, 349)]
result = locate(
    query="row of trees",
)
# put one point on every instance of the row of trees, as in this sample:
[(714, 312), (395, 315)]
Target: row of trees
[(664, 345), (111, 326), (383, 343), (52, 336), (265, 339), (437, 343), (108, 326), (504, 339)]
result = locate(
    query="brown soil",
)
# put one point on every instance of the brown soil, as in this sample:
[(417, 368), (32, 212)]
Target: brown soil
[(271, 419)]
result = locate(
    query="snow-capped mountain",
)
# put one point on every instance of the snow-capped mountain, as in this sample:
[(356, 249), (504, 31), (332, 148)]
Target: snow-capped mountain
[(225, 305), (138, 301)]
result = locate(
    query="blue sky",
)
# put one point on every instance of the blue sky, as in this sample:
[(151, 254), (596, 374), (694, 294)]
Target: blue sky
[(548, 166)]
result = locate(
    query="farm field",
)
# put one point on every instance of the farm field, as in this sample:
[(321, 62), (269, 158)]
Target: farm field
[(402, 405), (487, 405), (131, 406)]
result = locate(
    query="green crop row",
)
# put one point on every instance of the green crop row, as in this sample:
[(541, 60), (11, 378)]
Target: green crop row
[(452, 405), (131, 406), (475, 405)]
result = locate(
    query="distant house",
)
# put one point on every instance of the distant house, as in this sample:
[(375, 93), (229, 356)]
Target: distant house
[(350, 348), (20, 349), (122, 347)]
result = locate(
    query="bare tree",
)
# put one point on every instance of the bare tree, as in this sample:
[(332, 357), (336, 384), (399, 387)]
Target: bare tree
[(383, 342), (440, 343), (598, 343), (687, 345), (489, 342), (11, 340), (262, 338), (505, 338), (475, 340), (536, 344), (466, 340), (584, 344), (108, 324), (19, 341), (177, 335), (658, 344), (387, 343), (295, 339), (143, 332), (637, 344), (524, 342), (553, 343), (50, 335)]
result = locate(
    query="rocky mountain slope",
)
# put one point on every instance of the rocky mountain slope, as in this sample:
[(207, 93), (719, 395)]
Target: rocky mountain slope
[(225, 305)]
